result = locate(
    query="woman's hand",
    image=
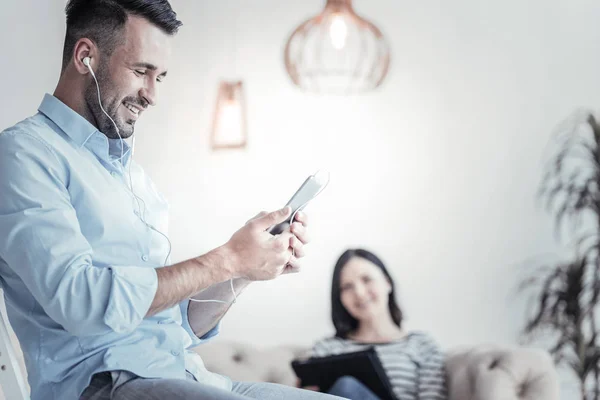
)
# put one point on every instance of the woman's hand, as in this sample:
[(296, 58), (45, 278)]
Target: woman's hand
[(314, 388)]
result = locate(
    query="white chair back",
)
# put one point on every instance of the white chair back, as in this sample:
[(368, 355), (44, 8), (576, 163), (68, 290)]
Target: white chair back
[(12, 380)]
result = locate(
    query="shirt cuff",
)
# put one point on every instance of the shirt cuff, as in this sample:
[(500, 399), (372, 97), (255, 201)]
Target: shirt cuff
[(131, 294), (185, 323)]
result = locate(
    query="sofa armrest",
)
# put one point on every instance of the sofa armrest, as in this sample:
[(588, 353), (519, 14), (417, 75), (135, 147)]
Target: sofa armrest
[(501, 373)]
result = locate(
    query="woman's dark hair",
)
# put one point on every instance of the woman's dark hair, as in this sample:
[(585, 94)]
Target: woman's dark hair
[(343, 322), (102, 21)]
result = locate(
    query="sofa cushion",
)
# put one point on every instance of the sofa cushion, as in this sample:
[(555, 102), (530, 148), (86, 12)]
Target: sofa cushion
[(242, 362)]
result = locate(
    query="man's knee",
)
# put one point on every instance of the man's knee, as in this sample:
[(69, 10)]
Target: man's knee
[(345, 385)]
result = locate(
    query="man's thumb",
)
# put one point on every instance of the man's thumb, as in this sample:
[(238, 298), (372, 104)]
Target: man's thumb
[(273, 218)]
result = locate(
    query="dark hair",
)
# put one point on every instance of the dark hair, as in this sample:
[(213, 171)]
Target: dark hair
[(102, 21), (343, 322)]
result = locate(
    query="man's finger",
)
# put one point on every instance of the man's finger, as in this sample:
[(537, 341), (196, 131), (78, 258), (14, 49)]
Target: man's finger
[(292, 267), (260, 214), (300, 232), (297, 246), (301, 217), (273, 218)]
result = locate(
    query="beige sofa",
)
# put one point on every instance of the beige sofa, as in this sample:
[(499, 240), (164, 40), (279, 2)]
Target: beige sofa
[(484, 372), (477, 373)]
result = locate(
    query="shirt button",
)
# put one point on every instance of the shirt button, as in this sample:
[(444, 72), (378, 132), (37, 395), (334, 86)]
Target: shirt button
[(136, 212), (145, 257), (114, 173)]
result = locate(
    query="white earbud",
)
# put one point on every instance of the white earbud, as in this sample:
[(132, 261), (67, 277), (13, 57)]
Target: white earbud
[(86, 61)]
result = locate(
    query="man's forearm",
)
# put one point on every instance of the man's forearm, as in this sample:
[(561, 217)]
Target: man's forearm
[(203, 316), (185, 279)]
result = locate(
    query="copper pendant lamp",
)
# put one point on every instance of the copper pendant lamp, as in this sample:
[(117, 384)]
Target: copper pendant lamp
[(229, 130), (337, 52)]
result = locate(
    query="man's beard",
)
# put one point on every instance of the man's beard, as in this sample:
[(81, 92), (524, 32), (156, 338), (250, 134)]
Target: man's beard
[(104, 123)]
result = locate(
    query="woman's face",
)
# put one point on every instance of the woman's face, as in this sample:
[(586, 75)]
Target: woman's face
[(364, 289)]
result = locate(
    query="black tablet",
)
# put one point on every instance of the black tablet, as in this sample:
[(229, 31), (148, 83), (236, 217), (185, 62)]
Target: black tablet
[(364, 365)]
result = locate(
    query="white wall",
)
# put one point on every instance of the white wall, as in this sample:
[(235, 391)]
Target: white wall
[(436, 172)]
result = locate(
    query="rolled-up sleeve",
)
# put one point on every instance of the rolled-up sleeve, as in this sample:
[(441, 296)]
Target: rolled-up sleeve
[(41, 241), (185, 323)]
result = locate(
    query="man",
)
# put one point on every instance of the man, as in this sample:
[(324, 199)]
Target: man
[(83, 247)]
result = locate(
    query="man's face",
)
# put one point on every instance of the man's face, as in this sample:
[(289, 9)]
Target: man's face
[(129, 79)]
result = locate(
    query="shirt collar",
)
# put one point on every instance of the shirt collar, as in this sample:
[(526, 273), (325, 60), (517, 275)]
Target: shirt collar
[(81, 131)]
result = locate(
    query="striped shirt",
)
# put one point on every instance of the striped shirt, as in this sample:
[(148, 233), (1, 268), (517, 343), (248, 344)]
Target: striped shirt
[(414, 364)]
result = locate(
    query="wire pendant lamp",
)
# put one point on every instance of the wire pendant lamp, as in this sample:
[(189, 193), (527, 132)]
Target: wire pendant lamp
[(337, 52)]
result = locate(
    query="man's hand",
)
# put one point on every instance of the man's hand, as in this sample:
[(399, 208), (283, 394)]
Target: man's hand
[(254, 253), (251, 254)]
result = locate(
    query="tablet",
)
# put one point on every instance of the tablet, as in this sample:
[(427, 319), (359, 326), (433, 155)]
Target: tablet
[(363, 365), (312, 186)]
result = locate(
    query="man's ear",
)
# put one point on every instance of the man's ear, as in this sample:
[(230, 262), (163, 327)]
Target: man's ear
[(85, 48)]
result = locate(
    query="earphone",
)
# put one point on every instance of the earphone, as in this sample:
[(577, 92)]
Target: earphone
[(87, 62)]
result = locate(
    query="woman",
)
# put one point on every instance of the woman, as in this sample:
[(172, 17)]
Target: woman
[(365, 313)]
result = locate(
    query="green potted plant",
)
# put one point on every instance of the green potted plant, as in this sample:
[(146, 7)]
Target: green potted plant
[(565, 295)]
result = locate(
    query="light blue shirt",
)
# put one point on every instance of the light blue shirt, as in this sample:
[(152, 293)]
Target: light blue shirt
[(77, 262)]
